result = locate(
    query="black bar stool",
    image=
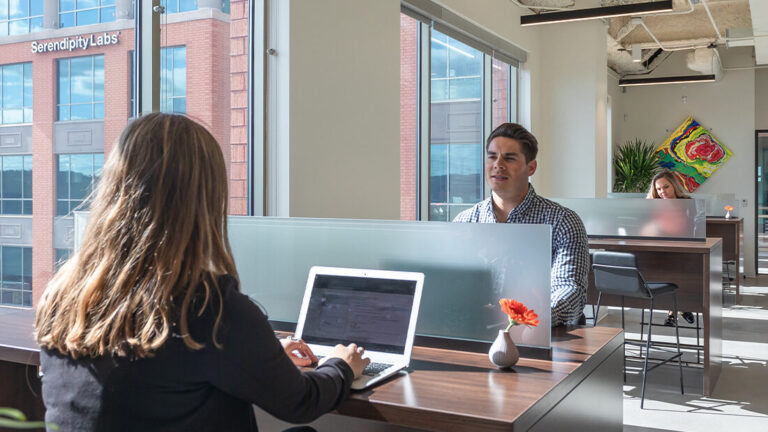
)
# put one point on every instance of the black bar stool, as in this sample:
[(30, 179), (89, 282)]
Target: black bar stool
[(617, 273)]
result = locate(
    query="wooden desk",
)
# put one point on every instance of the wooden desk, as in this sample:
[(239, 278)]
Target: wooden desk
[(580, 388), (732, 232), (696, 268)]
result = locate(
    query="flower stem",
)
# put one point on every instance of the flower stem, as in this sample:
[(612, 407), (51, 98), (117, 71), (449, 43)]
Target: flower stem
[(511, 323)]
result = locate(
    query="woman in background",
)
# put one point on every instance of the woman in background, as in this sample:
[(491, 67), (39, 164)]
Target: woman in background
[(145, 328), (665, 186)]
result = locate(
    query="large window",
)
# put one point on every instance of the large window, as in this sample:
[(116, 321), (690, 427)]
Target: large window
[(16, 185), (173, 84), (83, 12), (470, 92), (173, 6), (20, 16), (16, 276), (16, 93), (76, 176), (81, 88)]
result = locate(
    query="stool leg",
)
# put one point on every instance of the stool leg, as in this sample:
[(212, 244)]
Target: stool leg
[(677, 334), (645, 360), (698, 343), (596, 310), (642, 324)]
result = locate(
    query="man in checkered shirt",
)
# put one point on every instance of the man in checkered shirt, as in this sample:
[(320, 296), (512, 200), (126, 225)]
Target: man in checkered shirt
[(511, 159)]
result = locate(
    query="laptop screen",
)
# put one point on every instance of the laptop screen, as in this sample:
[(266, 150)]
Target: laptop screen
[(371, 312)]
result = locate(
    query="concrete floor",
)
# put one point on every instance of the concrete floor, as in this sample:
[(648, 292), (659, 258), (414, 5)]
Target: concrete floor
[(740, 399)]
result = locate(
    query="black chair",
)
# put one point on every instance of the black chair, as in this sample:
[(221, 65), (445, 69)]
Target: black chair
[(617, 273)]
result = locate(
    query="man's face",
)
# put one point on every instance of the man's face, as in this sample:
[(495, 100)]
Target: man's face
[(506, 170)]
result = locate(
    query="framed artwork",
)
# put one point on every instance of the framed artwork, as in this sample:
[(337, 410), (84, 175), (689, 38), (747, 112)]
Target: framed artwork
[(692, 154)]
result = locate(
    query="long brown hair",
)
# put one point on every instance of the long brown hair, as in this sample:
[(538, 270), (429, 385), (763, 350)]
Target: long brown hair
[(679, 191), (157, 231)]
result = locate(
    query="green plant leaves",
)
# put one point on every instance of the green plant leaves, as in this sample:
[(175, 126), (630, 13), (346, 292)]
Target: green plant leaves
[(634, 165), (15, 419)]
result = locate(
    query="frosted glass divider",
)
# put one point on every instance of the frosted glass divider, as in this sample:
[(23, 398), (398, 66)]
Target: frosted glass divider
[(467, 267), (657, 218)]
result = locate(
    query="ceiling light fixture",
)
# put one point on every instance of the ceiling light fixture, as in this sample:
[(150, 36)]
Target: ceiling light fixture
[(596, 13), (628, 82)]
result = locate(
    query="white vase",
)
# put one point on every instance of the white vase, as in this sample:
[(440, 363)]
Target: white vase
[(503, 352), (728, 214)]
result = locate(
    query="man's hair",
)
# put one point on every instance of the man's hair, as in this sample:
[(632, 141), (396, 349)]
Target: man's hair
[(527, 141)]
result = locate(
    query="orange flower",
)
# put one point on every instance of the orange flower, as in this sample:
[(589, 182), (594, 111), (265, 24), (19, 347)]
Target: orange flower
[(518, 313), (728, 208)]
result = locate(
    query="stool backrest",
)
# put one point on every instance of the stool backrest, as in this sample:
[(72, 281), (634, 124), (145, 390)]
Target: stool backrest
[(617, 273)]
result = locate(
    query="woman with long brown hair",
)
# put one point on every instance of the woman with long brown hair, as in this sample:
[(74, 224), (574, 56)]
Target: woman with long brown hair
[(665, 186), (145, 328)]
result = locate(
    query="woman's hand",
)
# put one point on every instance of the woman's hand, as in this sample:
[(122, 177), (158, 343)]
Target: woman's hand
[(353, 355), (298, 352)]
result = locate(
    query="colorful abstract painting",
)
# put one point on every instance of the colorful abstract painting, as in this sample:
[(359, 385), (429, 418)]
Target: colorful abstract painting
[(692, 154)]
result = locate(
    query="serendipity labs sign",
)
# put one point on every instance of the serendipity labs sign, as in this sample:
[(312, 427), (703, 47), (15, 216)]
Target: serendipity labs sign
[(72, 43)]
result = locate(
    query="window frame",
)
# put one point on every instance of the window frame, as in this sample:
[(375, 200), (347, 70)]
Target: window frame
[(95, 176), (23, 272), (23, 199), (94, 101), (29, 18), (24, 67), (76, 11)]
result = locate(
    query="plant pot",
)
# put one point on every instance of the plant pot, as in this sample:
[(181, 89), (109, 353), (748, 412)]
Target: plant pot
[(503, 352)]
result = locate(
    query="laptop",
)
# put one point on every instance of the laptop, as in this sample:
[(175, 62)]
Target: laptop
[(376, 309)]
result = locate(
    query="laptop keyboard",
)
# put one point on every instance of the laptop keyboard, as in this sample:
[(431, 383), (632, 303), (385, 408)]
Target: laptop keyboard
[(372, 369)]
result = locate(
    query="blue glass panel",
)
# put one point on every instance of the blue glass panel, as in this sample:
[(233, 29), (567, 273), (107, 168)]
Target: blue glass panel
[(62, 176), (180, 105), (13, 86), (11, 184), (81, 75), (27, 267), (439, 90), (12, 206), (439, 56), (464, 60), (27, 298), (18, 27), (225, 6), (81, 112), (11, 266), (171, 6), (98, 164), (466, 178), (66, 5), (63, 67), (180, 71), (27, 115), (36, 24), (27, 210), (4, 28), (35, 7), (438, 170), (108, 14), (63, 113), (27, 187), (98, 76), (187, 5), (13, 116), (107, 2), (62, 207), (438, 212), (18, 9), (83, 4), (98, 110), (3, 9), (466, 88), (67, 20), (81, 174), (27, 84), (87, 17)]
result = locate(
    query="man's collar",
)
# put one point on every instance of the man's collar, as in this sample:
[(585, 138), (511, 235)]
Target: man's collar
[(521, 208)]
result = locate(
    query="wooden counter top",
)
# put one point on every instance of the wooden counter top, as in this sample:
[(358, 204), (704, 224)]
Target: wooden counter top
[(656, 245)]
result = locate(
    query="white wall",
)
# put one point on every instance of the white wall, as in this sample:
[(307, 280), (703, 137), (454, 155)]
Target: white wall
[(724, 108), (761, 99), (344, 108)]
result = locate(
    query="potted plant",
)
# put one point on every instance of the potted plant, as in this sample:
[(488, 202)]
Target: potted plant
[(14, 419), (634, 164)]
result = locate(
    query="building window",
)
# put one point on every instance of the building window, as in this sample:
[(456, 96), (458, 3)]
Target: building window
[(173, 6), (16, 93), (83, 12), (81, 88), (76, 176), (16, 276), (20, 16), (62, 255), (173, 84), (16, 185)]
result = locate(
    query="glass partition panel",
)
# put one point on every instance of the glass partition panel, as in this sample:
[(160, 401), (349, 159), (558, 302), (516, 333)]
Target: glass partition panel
[(716, 203), (668, 219), (467, 267)]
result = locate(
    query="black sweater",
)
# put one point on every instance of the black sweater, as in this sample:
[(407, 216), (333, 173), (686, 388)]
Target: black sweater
[(179, 389)]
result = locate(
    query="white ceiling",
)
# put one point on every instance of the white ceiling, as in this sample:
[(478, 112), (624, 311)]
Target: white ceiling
[(686, 28)]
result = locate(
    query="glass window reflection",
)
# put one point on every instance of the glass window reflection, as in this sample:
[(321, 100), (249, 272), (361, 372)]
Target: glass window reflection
[(16, 93), (76, 176), (81, 88)]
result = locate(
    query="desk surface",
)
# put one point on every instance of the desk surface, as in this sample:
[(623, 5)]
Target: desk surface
[(443, 389), (656, 245), (722, 220)]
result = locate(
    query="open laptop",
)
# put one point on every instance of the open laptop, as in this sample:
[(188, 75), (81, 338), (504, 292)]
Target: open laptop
[(376, 309)]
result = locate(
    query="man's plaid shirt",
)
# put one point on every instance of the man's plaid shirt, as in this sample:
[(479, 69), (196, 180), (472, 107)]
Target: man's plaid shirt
[(570, 249)]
